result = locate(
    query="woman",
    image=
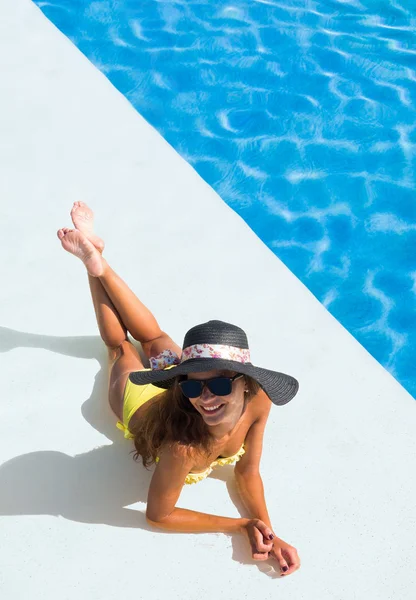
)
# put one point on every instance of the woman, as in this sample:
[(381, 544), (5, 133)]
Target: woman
[(196, 408)]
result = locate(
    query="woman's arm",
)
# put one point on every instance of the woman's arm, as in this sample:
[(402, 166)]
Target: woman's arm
[(191, 521), (174, 465), (164, 491), (251, 490), (247, 470)]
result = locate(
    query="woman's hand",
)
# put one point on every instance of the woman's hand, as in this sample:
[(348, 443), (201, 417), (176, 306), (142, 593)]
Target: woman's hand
[(264, 545), (260, 538), (286, 555)]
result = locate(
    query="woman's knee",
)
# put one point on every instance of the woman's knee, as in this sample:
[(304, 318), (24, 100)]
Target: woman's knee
[(114, 353), (124, 357)]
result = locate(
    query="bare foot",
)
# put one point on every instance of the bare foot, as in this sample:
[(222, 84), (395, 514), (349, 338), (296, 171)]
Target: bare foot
[(83, 219), (76, 243)]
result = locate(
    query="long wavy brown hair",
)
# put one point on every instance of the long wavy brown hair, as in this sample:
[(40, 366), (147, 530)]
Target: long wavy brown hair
[(172, 418)]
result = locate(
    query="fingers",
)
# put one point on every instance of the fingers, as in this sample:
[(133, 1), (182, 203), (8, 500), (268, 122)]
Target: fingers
[(288, 560), (265, 530), (290, 570), (261, 545), (284, 567), (260, 555), (256, 552), (292, 558), (260, 538)]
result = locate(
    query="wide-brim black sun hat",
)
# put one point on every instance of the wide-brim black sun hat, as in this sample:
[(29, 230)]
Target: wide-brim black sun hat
[(220, 345)]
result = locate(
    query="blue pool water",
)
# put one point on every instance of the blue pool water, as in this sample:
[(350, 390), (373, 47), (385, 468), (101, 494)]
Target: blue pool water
[(301, 114)]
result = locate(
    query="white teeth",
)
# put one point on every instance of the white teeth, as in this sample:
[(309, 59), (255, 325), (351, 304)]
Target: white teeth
[(211, 408)]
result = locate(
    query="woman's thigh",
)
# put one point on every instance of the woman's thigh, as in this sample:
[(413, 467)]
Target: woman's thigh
[(122, 361)]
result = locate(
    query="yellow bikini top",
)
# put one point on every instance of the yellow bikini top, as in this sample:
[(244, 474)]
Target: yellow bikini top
[(220, 462)]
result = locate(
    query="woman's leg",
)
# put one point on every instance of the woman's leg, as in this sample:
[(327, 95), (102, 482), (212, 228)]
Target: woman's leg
[(110, 325), (123, 356), (112, 312), (137, 319)]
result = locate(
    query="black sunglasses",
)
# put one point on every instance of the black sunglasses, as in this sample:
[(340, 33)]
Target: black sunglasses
[(220, 386)]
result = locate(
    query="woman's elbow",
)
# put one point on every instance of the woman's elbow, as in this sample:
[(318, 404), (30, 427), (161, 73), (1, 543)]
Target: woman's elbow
[(246, 471), (151, 520), (155, 517)]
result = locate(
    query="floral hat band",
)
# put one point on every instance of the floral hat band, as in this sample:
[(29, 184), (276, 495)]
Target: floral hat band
[(216, 351)]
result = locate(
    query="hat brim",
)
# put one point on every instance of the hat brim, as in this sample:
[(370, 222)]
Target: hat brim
[(280, 388)]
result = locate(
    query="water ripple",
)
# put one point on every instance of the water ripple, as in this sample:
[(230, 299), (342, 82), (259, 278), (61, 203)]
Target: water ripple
[(302, 116)]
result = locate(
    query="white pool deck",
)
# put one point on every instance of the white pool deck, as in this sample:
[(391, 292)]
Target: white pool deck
[(339, 460)]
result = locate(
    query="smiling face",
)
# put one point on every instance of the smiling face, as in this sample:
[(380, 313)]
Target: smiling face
[(217, 410)]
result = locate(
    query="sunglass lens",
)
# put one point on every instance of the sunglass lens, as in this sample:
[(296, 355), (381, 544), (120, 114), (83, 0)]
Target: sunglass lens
[(191, 388), (220, 386)]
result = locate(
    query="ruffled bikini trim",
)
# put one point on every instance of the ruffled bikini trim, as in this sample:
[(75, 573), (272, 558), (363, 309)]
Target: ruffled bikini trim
[(220, 462)]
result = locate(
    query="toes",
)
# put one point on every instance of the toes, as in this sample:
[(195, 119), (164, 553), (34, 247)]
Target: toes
[(78, 204), (62, 232)]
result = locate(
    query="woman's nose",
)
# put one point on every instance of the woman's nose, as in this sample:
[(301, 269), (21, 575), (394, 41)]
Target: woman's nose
[(206, 393)]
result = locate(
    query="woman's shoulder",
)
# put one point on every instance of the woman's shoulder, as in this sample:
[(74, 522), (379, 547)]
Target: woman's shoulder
[(184, 458), (260, 405), (178, 451)]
